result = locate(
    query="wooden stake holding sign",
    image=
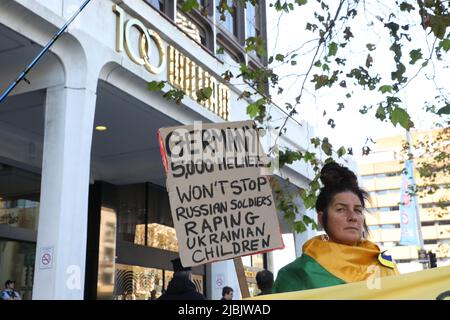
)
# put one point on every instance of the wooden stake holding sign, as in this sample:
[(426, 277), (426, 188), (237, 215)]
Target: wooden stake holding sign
[(240, 272), (220, 197)]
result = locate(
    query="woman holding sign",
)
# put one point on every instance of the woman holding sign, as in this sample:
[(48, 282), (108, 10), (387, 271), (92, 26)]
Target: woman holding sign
[(343, 254)]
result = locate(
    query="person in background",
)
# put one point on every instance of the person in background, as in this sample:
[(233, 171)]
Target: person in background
[(9, 293), (343, 254), (181, 286), (264, 281), (227, 293), (152, 295)]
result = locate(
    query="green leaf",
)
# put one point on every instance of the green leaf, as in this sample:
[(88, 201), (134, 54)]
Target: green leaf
[(279, 57), (444, 110), (341, 151), (252, 110), (301, 2), (257, 110), (439, 24), (156, 85), (188, 5), (399, 115), (309, 201), (326, 147), (315, 142), (445, 45), (332, 49), (203, 94), (385, 88), (370, 46), (308, 221), (176, 95), (415, 55), (404, 6), (380, 113), (299, 227)]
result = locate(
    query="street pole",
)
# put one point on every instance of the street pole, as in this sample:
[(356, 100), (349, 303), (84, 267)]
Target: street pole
[(419, 224), (39, 56)]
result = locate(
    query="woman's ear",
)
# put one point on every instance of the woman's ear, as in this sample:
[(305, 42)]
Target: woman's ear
[(320, 218)]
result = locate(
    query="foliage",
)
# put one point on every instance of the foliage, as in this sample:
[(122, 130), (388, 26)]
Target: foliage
[(333, 30)]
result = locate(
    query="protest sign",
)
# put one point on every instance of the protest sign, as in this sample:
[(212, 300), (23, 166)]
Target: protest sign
[(220, 197)]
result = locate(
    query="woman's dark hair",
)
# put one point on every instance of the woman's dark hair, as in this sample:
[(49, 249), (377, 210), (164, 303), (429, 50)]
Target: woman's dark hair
[(264, 279), (336, 179), (226, 290)]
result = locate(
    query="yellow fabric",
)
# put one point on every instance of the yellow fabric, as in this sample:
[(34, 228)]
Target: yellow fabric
[(349, 263), (423, 285)]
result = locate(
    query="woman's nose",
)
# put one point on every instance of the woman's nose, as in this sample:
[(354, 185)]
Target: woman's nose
[(352, 216)]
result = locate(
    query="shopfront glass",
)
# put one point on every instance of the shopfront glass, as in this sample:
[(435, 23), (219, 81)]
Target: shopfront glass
[(253, 264), (19, 216), (17, 264), (144, 217)]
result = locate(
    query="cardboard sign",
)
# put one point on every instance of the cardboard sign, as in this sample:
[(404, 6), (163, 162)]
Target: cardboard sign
[(220, 197)]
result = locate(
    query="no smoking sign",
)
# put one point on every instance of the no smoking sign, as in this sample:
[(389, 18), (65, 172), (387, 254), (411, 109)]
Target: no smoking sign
[(46, 258)]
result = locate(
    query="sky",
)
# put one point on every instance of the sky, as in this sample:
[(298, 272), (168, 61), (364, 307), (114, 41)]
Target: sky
[(352, 128)]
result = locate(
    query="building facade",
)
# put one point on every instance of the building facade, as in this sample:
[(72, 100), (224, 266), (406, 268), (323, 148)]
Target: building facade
[(381, 173), (84, 211)]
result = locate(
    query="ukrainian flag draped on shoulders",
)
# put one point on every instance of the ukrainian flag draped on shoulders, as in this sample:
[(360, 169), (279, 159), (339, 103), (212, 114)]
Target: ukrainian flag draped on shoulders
[(326, 263)]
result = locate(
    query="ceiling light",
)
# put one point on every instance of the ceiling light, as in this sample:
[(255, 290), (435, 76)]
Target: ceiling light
[(101, 128)]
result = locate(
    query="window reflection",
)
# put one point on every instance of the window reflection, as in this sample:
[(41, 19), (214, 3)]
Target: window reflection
[(191, 28), (157, 4), (227, 19), (107, 254), (17, 263), (253, 264), (19, 197), (137, 283), (131, 211)]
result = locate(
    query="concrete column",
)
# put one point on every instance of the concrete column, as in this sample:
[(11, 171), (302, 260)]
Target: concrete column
[(61, 242)]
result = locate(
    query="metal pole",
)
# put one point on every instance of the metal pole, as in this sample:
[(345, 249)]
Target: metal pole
[(39, 56), (419, 224)]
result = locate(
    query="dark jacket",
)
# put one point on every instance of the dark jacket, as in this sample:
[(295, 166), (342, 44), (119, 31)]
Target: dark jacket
[(265, 291), (181, 288)]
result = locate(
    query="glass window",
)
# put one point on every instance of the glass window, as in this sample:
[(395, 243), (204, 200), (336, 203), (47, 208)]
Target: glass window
[(253, 264), (157, 4), (17, 264), (107, 254), (227, 19), (160, 231), (19, 197), (137, 283), (191, 28), (131, 213), (162, 237), (252, 21)]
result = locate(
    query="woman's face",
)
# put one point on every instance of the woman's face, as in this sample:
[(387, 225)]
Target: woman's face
[(345, 219)]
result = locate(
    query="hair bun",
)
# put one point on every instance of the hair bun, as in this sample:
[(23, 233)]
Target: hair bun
[(334, 174)]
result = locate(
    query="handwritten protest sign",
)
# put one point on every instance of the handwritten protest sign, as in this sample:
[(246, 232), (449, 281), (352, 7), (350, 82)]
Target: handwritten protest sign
[(220, 197)]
